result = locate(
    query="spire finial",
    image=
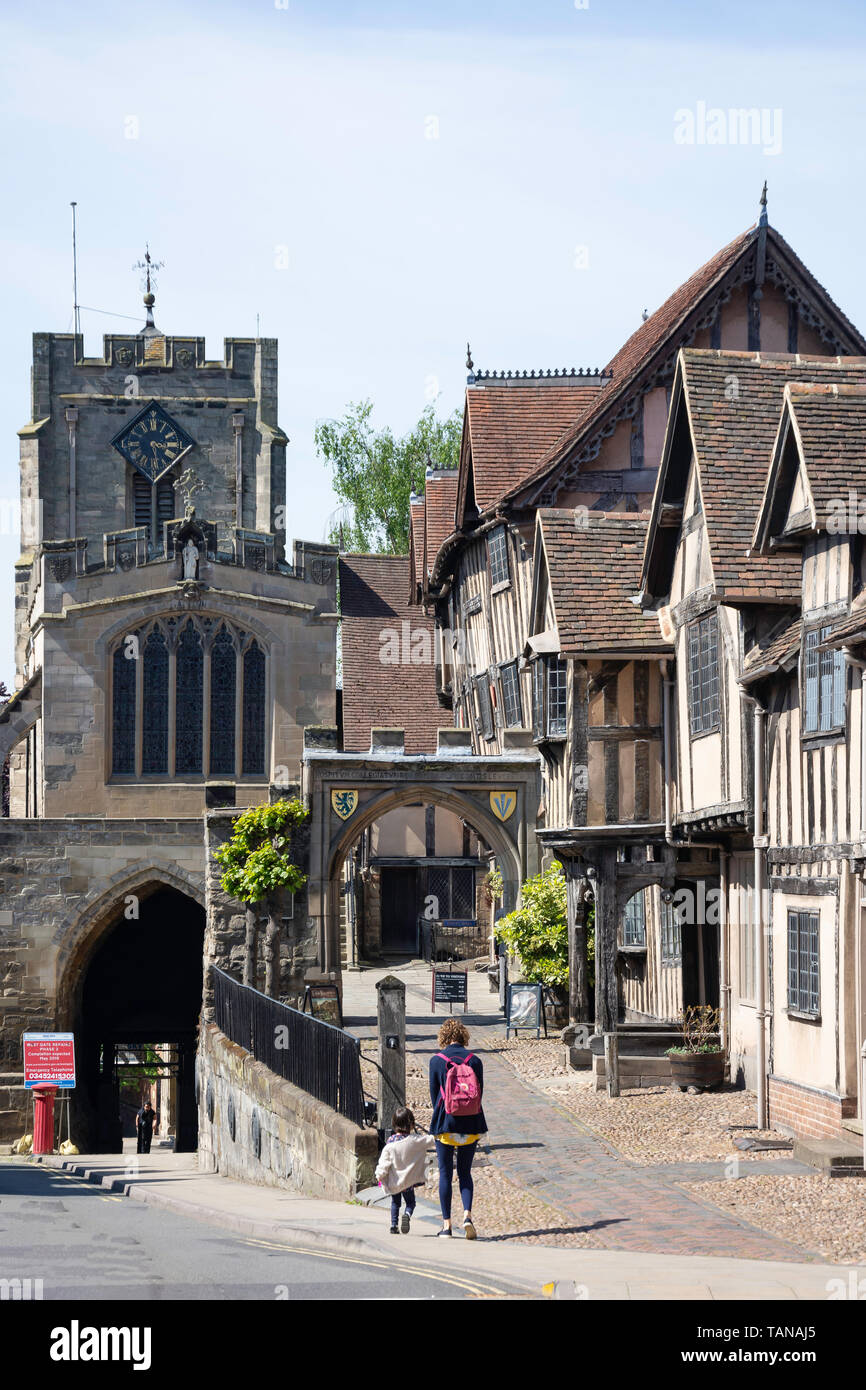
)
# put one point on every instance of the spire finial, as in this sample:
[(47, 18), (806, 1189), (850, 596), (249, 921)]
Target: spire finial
[(763, 222), (150, 268), (470, 366)]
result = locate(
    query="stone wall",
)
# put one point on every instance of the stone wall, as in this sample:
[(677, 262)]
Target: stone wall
[(226, 918), (256, 1126)]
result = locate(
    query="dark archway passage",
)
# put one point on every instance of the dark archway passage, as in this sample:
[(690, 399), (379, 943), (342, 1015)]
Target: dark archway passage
[(143, 984)]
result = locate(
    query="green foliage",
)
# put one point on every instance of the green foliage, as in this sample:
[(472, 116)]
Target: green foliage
[(255, 861), (374, 473), (538, 931), (493, 885)]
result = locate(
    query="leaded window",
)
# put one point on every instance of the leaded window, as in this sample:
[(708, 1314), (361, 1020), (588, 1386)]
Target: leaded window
[(189, 727), (453, 891), (223, 678), (154, 705), (538, 728), (556, 696), (634, 921), (824, 682), (671, 935), (254, 709), (212, 675), (703, 637), (497, 555), (510, 684), (803, 975), (123, 706)]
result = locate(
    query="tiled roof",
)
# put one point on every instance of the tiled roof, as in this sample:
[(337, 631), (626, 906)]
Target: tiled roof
[(782, 643), (734, 403), (594, 566), (440, 501), (514, 424), (848, 627), (830, 423), (663, 331), (377, 694)]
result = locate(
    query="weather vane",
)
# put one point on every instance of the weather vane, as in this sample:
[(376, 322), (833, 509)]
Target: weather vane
[(150, 268), (189, 484)]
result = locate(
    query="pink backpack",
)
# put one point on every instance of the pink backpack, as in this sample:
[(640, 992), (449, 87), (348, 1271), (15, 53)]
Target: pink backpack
[(462, 1093)]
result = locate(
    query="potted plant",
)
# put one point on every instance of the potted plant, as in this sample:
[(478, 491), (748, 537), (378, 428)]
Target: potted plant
[(699, 1060)]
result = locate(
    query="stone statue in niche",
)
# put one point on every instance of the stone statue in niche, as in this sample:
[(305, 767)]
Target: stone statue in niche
[(190, 559)]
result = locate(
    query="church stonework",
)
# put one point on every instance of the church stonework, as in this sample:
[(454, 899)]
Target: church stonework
[(169, 653)]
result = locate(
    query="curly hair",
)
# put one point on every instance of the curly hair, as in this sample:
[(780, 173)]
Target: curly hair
[(453, 1031)]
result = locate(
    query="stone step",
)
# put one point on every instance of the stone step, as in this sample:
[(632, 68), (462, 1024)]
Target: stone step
[(837, 1157)]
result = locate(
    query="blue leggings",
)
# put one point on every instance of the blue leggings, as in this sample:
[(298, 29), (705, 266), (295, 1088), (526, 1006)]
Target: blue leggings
[(445, 1154), (409, 1198)]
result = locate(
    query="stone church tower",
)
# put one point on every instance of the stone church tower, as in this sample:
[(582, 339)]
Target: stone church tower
[(168, 656)]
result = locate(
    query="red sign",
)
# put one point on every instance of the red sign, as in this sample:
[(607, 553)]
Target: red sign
[(49, 1057)]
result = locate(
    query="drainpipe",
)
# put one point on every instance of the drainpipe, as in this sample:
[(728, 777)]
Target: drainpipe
[(859, 982), (667, 681), (759, 841), (724, 956)]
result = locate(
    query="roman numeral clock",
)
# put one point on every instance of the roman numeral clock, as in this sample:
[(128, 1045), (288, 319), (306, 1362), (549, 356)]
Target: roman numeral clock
[(152, 442)]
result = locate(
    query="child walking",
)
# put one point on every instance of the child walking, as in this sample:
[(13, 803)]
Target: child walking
[(401, 1167)]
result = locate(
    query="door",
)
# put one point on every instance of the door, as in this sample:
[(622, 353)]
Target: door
[(400, 911)]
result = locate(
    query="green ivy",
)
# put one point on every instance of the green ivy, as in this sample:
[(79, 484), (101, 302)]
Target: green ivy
[(256, 860)]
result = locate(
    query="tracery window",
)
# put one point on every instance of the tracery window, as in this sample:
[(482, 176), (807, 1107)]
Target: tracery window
[(188, 700)]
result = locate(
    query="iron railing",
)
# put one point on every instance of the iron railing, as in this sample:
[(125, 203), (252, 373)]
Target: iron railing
[(452, 940), (315, 1056)]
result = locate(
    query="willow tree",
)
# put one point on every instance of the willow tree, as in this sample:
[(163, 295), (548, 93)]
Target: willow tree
[(257, 868)]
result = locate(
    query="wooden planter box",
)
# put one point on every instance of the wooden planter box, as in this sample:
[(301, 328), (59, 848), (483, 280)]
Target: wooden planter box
[(702, 1069)]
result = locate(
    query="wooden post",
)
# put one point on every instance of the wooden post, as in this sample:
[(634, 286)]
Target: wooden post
[(606, 989), (250, 947), (391, 1011), (577, 890), (611, 1063)]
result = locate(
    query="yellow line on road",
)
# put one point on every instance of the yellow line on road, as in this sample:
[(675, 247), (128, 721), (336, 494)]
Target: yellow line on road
[(462, 1283)]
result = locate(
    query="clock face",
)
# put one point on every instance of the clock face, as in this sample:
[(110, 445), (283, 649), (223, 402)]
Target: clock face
[(152, 442)]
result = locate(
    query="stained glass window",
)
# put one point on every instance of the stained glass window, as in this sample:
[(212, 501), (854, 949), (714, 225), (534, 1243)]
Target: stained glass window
[(123, 709), (188, 719), (154, 705), (223, 679), (254, 710)]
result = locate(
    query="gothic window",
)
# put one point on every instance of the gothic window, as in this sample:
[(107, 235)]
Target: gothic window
[(154, 705), (254, 709), (190, 671), (223, 679), (169, 666), (123, 708)]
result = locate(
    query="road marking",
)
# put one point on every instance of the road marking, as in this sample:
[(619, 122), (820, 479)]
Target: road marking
[(479, 1289)]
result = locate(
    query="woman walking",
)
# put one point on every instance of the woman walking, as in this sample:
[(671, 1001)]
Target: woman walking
[(456, 1088)]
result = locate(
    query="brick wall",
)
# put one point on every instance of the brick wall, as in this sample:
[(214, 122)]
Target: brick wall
[(800, 1110)]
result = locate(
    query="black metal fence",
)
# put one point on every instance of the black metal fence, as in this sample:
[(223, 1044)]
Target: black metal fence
[(452, 940), (318, 1058)]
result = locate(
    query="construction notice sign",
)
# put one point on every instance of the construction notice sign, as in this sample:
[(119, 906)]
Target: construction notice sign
[(49, 1057)]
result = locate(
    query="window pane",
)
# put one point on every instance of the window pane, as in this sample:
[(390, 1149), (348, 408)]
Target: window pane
[(154, 705), (695, 678), (497, 555), (254, 710), (223, 679), (634, 921), (123, 710), (556, 696), (190, 670), (463, 894), (811, 673), (510, 683), (538, 698)]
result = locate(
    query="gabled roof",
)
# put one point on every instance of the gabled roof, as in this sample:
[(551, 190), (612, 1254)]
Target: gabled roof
[(593, 562), (512, 425), (730, 403), (672, 326), (821, 437), (769, 656), (377, 693), (440, 496)]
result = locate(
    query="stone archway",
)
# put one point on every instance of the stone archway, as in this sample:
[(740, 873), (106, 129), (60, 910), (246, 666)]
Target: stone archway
[(386, 779)]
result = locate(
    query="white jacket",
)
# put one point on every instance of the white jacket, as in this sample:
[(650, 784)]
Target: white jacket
[(401, 1163)]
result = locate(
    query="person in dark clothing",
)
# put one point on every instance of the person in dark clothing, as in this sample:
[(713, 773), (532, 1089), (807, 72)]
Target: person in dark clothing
[(144, 1123), (455, 1135)]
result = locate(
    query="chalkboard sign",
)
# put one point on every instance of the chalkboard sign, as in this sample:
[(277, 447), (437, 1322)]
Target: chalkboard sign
[(525, 1009), (323, 1001), (450, 987)]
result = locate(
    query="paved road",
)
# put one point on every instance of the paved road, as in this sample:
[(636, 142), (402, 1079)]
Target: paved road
[(86, 1244)]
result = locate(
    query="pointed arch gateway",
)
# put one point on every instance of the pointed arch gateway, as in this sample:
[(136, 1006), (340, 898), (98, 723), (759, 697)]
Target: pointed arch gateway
[(384, 780)]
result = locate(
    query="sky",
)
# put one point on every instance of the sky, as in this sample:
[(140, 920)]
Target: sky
[(375, 184)]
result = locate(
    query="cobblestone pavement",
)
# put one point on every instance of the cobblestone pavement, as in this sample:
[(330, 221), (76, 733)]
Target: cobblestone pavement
[(584, 1193)]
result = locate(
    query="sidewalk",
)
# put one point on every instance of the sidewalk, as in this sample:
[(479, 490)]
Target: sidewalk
[(172, 1181)]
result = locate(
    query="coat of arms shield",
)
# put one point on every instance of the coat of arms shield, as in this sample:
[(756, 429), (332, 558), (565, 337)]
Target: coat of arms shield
[(345, 803)]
